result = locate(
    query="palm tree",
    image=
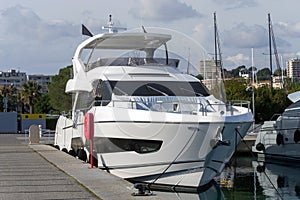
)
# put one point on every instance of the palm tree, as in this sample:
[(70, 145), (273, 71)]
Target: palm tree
[(11, 94), (30, 94)]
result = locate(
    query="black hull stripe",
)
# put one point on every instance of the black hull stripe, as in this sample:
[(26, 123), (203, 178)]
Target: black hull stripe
[(166, 174), (149, 165)]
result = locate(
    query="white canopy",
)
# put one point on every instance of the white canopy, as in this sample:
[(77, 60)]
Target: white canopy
[(129, 41)]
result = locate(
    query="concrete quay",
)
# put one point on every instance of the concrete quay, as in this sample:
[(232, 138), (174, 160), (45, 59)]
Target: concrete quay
[(39, 171)]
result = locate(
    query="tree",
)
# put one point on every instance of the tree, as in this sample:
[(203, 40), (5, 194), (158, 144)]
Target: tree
[(236, 72), (43, 106), (12, 96), (236, 89), (269, 102), (30, 94), (200, 77), (59, 100), (263, 74), (277, 72)]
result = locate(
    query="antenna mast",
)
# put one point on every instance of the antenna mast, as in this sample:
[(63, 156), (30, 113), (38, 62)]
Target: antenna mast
[(110, 26)]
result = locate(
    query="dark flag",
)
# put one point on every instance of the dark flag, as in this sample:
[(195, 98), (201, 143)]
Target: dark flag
[(85, 31)]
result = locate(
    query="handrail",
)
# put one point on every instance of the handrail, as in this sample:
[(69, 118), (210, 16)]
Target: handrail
[(186, 107), (229, 106)]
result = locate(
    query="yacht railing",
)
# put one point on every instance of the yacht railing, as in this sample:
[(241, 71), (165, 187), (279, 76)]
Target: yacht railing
[(183, 107), (132, 61)]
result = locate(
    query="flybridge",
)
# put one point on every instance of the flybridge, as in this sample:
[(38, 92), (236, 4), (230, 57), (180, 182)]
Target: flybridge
[(123, 49), (127, 41)]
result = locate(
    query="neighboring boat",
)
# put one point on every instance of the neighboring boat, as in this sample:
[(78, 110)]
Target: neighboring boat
[(278, 181), (152, 123), (280, 139)]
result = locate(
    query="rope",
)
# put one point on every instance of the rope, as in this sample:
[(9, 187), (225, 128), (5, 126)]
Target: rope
[(173, 160)]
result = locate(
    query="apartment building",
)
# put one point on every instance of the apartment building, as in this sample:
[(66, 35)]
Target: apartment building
[(17, 79), (42, 80), (293, 69), (12, 77)]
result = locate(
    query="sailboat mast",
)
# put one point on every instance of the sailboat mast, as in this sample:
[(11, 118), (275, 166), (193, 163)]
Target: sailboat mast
[(216, 47), (218, 61), (270, 51)]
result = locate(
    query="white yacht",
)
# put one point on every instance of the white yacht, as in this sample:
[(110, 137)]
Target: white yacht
[(152, 123), (280, 139)]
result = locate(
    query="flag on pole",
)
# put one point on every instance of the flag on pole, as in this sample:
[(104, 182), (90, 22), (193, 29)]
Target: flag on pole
[(85, 31)]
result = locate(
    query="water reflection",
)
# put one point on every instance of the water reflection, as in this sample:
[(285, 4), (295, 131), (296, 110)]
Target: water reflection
[(246, 178), (214, 192), (239, 180), (280, 180)]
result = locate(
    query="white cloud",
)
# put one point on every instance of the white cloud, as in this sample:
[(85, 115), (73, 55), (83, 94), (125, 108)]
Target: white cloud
[(233, 4), (288, 29), (34, 43), (238, 59), (23, 23), (163, 10), (242, 36), (202, 34)]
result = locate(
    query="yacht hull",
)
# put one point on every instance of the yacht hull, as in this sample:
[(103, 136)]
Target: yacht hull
[(191, 151)]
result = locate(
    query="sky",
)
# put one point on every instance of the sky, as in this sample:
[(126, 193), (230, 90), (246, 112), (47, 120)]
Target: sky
[(41, 36)]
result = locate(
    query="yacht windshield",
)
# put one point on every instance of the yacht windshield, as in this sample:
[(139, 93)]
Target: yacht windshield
[(158, 88)]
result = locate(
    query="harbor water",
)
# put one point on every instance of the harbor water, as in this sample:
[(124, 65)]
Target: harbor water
[(246, 178)]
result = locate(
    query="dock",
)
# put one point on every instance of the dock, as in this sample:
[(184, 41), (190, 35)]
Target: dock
[(39, 171)]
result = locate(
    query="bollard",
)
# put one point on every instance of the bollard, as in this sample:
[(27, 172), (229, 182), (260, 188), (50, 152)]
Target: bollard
[(89, 133)]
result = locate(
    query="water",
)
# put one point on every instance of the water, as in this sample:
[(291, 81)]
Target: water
[(245, 178)]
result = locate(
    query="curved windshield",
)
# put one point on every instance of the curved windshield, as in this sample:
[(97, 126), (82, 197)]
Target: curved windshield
[(158, 88)]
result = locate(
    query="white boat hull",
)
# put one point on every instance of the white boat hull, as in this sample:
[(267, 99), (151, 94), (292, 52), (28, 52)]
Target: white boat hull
[(183, 156)]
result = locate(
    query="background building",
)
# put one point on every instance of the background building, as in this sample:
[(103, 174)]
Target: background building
[(12, 77), (293, 69), (42, 80), (17, 79)]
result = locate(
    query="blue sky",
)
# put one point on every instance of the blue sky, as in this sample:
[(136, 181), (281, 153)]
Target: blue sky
[(40, 36)]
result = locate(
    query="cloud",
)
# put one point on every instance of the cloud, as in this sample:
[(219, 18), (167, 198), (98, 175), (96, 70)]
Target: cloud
[(32, 42), (238, 59), (287, 29), (163, 10), (24, 23), (242, 36), (234, 4), (202, 35)]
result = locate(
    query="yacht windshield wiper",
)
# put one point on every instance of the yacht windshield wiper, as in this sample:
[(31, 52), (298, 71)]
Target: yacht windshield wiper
[(156, 90)]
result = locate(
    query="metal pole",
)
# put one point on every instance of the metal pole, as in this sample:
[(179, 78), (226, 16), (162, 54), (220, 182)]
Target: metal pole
[(253, 103), (270, 51), (91, 153), (216, 49)]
